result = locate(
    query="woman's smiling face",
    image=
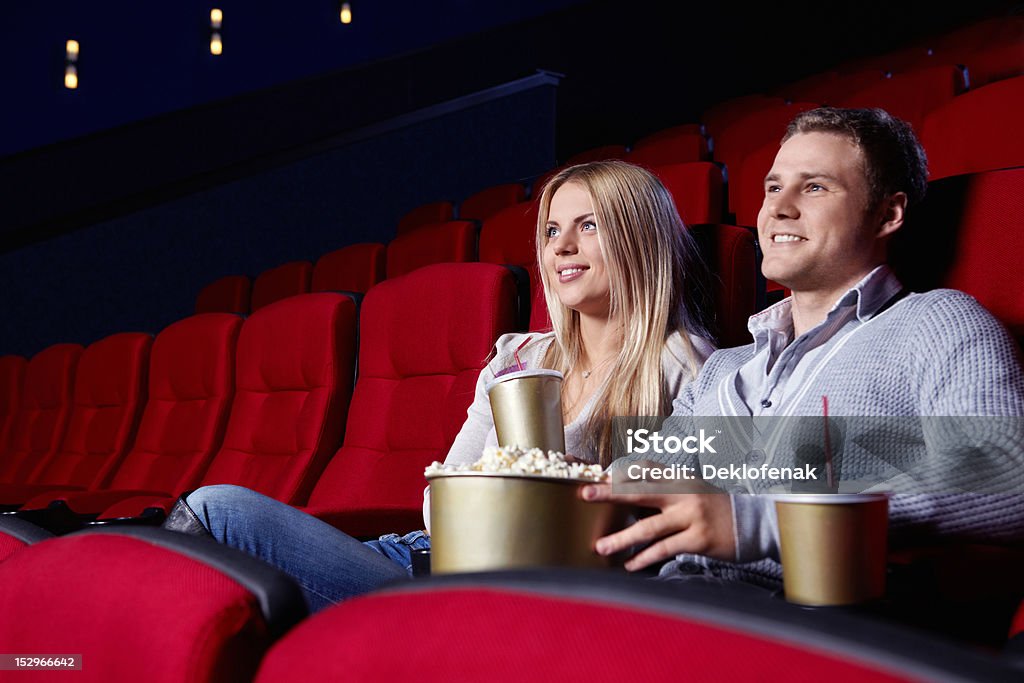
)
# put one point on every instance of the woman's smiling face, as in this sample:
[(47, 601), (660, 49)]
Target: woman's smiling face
[(572, 256)]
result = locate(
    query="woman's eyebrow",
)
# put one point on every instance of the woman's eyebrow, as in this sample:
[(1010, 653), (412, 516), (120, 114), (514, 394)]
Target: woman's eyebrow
[(575, 221)]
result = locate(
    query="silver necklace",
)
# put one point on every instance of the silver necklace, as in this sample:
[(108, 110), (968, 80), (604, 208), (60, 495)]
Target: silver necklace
[(586, 373)]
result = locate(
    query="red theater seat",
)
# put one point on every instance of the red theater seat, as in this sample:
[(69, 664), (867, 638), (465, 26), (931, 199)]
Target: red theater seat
[(832, 86), (423, 339), (995, 61), (746, 184), (354, 268), (428, 214), (285, 280), (991, 50), (226, 295), (16, 534), (676, 145), (508, 237), (976, 131), (989, 250), (109, 394), (144, 605), (43, 410), (751, 132), (697, 189), (911, 95), (907, 58), (718, 117), (599, 627), (540, 319), (12, 378), (191, 379), (1017, 630), (747, 188), (731, 253), (597, 154), (293, 381), (451, 242), (487, 202)]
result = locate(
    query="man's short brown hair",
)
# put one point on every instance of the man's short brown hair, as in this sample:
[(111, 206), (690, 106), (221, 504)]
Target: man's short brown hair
[(894, 159)]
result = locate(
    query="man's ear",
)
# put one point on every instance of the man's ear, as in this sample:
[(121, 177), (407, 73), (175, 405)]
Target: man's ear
[(891, 213)]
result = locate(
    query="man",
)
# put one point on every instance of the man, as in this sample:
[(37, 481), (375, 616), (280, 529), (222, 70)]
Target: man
[(841, 185)]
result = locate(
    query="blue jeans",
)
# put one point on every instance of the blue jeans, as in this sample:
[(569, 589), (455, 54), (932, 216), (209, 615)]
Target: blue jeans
[(328, 564)]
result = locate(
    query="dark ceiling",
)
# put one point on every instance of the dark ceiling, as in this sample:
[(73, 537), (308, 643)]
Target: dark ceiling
[(630, 66)]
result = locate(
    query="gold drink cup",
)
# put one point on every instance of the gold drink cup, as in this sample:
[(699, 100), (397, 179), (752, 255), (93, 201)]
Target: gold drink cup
[(527, 409), (486, 521), (833, 547)]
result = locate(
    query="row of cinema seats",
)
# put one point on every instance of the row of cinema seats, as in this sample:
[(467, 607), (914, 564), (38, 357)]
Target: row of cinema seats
[(130, 422), (148, 604), (357, 267), (968, 133), (507, 237)]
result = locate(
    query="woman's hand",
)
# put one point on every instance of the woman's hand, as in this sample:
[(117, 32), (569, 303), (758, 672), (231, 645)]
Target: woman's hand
[(698, 523)]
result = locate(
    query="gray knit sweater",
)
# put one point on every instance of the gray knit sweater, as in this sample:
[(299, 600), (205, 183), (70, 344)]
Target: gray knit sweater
[(933, 354)]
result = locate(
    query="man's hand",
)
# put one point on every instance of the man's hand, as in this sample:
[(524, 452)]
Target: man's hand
[(698, 523)]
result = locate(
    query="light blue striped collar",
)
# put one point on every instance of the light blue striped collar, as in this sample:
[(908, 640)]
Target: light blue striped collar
[(869, 295)]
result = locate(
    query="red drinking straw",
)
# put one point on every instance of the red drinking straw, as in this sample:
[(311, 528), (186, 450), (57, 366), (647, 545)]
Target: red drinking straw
[(515, 354), (828, 446)]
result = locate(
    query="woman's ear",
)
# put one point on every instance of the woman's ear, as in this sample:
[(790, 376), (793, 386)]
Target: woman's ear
[(893, 209)]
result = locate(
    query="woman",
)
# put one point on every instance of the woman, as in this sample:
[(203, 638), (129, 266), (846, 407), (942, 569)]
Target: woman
[(616, 265)]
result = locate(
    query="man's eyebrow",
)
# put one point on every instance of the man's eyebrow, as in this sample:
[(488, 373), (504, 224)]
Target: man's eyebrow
[(820, 175)]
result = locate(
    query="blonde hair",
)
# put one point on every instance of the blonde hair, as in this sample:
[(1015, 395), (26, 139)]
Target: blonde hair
[(654, 270)]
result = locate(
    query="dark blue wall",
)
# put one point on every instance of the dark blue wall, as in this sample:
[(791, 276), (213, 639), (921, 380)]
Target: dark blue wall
[(142, 271)]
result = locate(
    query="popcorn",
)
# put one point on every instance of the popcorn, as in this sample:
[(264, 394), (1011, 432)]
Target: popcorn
[(532, 462)]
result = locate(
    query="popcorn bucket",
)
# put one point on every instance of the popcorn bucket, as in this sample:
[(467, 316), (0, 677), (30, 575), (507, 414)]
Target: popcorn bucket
[(485, 521)]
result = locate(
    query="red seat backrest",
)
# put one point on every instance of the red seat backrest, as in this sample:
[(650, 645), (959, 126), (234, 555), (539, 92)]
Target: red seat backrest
[(597, 154), (354, 268), (110, 390), (676, 145), (732, 257), (508, 237), (911, 95), (423, 339), (43, 411), (751, 132), (136, 610), (976, 131), (451, 242), (191, 379), (228, 294), (287, 279), (293, 382), (718, 117), (991, 50), (697, 188), (12, 378), (487, 202), (427, 214), (989, 252), (543, 638), (834, 86), (746, 184)]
